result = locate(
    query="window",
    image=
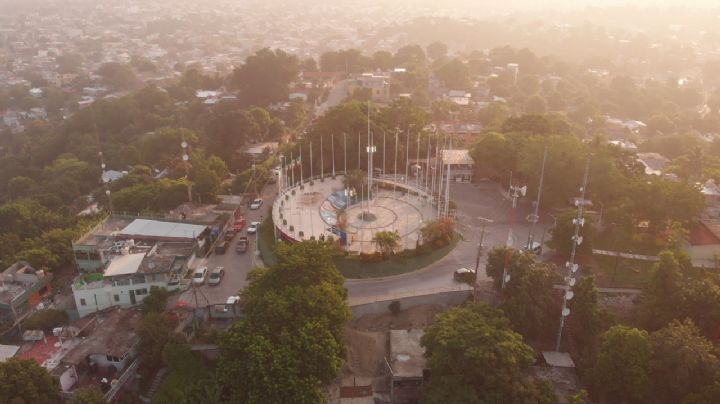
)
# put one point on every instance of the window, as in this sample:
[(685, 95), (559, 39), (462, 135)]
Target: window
[(141, 292), (83, 302), (117, 298)]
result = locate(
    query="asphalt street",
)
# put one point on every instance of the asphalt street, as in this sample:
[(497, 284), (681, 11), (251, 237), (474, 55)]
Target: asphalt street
[(476, 204)]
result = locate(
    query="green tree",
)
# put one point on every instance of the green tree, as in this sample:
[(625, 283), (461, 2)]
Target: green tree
[(207, 185), (265, 76), (436, 50), (622, 370), (117, 75), (438, 232), (454, 74), (291, 340), (684, 361), (387, 241), (155, 332), (88, 395), (156, 301), (25, 382), (46, 320), (661, 299), (475, 357)]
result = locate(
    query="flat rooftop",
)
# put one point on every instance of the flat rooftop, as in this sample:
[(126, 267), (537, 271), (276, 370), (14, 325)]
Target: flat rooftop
[(145, 228), (112, 333), (406, 355), (124, 264), (104, 230)]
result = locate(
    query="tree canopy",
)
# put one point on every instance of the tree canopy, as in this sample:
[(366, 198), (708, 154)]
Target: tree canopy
[(25, 382), (476, 357)]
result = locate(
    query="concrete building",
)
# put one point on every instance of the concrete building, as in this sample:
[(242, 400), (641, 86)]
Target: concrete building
[(406, 366), (461, 165), (21, 289), (378, 84), (96, 248), (128, 278)]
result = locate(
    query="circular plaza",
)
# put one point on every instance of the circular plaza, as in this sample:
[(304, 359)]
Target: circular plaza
[(323, 208)]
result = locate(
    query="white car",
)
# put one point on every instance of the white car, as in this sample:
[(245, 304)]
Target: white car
[(199, 275), (253, 228), (256, 204), (216, 276), (231, 301)]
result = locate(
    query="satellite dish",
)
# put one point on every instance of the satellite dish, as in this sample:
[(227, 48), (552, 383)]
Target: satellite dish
[(507, 278), (102, 166), (184, 144), (579, 240), (574, 268), (523, 190), (566, 312), (569, 295), (185, 157), (571, 282), (107, 192)]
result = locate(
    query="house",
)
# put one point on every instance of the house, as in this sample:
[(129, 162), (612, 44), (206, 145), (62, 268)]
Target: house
[(459, 97), (711, 193), (21, 289), (128, 278), (112, 175), (654, 162), (458, 164), (118, 234), (704, 243), (103, 353), (378, 84), (406, 365)]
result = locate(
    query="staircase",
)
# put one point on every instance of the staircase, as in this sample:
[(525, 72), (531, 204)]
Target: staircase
[(157, 381)]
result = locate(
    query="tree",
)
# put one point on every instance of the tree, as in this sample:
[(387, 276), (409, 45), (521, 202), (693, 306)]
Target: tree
[(438, 233), (410, 55), (156, 301), (387, 241), (684, 361), (383, 60), (436, 50), (661, 298), (291, 340), (475, 357), (117, 75), (535, 105), (265, 76), (155, 332), (88, 395), (46, 320), (622, 370), (454, 74), (24, 382), (357, 180), (207, 184)]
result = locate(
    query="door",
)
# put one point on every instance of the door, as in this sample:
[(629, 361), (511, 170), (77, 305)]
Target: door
[(132, 297)]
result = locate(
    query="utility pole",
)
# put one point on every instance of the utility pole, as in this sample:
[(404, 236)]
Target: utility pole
[(571, 266), (535, 216)]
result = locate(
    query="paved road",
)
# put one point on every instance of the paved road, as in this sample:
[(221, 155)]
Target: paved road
[(337, 95), (237, 266), (475, 201)]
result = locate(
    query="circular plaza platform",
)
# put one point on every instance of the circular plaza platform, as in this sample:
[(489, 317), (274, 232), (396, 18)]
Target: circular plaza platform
[(320, 208)]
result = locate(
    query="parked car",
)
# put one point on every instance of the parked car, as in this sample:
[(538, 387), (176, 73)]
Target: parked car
[(535, 249), (252, 229), (464, 275), (242, 245), (256, 204), (199, 275), (231, 301), (229, 235), (216, 276), (220, 247), (239, 224)]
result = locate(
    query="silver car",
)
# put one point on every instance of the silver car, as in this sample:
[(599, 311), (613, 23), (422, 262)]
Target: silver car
[(216, 276)]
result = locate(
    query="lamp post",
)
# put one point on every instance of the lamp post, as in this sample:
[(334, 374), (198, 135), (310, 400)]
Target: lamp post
[(186, 158)]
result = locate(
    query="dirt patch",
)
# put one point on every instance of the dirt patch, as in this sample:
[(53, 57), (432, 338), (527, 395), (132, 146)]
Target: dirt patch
[(414, 317)]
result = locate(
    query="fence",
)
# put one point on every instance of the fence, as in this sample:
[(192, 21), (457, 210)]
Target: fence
[(445, 296)]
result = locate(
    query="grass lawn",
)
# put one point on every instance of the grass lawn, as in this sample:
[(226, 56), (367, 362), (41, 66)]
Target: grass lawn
[(188, 371), (352, 267), (613, 272)]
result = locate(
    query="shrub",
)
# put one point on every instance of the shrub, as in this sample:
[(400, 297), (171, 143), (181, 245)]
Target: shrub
[(46, 320), (394, 307)]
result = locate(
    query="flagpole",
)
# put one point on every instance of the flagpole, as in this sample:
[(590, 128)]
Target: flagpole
[(427, 165), (417, 162), (301, 165), (322, 160), (311, 163), (332, 149), (396, 152), (384, 152), (345, 153), (407, 155), (292, 169)]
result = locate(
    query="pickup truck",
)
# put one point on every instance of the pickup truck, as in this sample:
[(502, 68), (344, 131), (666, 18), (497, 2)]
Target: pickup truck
[(242, 245)]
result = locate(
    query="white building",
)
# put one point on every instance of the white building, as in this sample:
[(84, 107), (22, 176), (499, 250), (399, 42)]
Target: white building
[(128, 278)]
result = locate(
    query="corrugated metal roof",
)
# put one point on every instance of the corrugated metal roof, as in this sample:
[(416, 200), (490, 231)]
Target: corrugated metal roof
[(161, 230)]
